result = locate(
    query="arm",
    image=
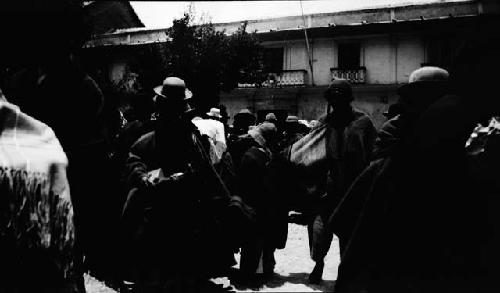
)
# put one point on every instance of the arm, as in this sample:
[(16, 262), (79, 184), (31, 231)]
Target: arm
[(136, 170)]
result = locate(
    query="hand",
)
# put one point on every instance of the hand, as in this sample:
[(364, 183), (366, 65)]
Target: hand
[(297, 218), (145, 183)]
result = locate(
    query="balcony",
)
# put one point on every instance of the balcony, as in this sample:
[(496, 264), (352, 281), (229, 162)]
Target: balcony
[(354, 76), (284, 78), (292, 78)]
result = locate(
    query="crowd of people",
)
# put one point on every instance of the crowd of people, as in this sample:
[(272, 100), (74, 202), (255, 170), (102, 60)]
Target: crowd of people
[(163, 195)]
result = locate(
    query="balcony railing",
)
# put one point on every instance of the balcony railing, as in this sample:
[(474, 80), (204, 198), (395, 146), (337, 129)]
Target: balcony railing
[(282, 79), (292, 78), (354, 75)]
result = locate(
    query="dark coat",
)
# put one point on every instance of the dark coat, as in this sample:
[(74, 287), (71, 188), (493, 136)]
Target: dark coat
[(238, 145), (405, 218), (177, 226), (257, 186)]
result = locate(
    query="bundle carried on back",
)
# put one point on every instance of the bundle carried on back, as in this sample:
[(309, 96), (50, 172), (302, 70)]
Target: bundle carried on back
[(36, 215)]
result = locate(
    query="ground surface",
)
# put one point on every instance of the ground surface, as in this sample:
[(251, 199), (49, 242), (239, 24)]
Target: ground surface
[(293, 266)]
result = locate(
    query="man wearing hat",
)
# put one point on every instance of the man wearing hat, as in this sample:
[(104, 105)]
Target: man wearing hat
[(214, 113), (214, 130), (239, 140), (175, 197), (293, 131), (256, 189), (271, 118), (425, 86), (415, 209), (350, 148)]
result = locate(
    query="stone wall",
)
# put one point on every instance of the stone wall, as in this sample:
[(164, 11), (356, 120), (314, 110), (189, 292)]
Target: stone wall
[(308, 102)]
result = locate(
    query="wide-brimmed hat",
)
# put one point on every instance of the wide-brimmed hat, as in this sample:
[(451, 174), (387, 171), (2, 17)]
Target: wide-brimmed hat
[(172, 82), (214, 112), (244, 116), (339, 87), (264, 133), (270, 117), (245, 111), (292, 119), (424, 87), (428, 77)]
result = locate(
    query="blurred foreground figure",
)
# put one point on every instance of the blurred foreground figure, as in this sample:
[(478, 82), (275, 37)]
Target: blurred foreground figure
[(37, 234), (239, 140), (256, 187), (214, 130), (176, 202), (331, 156), (404, 218), (294, 130), (45, 79)]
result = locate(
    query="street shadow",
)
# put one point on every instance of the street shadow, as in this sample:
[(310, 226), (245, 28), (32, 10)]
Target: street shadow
[(277, 281), (300, 278)]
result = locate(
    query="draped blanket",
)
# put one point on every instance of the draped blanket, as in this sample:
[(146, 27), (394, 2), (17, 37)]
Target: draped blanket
[(329, 158), (36, 214)]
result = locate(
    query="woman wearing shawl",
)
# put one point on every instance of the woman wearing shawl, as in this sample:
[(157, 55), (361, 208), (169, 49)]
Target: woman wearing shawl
[(256, 187), (37, 233)]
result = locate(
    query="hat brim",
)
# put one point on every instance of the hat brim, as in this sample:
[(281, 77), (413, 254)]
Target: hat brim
[(408, 88), (158, 90), (214, 115)]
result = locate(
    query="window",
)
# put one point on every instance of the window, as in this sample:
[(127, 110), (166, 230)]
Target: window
[(273, 60), (440, 51), (349, 55)]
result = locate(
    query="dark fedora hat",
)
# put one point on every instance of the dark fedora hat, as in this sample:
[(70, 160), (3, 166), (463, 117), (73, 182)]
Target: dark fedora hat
[(339, 87), (172, 83)]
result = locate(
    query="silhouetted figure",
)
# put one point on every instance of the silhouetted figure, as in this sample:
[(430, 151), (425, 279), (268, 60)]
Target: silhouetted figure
[(176, 201)]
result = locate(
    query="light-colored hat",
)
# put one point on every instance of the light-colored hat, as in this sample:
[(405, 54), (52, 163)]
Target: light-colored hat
[(270, 117), (292, 119), (214, 112), (173, 82), (429, 73), (428, 76), (245, 111), (424, 87)]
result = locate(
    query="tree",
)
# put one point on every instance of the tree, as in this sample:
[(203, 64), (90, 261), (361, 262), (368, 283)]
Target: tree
[(209, 60)]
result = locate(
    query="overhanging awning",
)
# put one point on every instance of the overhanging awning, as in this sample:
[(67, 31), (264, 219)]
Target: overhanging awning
[(129, 37)]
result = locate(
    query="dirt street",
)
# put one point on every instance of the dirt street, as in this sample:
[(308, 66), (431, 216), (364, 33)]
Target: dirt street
[(293, 265)]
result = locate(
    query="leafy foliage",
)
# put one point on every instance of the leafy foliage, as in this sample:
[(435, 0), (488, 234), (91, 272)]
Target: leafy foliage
[(211, 61)]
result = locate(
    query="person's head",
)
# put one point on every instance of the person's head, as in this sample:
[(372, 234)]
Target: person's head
[(425, 85), (266, 134), (339, 94), (172, 98), (242, 120), (292, 124), (214, 114), (271, 118)]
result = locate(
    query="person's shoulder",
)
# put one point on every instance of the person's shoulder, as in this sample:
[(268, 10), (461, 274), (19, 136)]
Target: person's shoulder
[(144, 140), (362, 118), (253, 153), (360, 114)]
